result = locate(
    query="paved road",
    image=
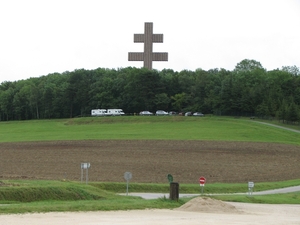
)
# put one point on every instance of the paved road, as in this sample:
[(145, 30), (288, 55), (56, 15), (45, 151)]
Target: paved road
[(279, 191), (166, 195)]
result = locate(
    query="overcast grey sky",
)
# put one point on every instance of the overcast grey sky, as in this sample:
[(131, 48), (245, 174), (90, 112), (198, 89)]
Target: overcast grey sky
[(39, 37)]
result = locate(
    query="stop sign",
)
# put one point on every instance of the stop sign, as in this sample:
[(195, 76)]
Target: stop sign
[(202, 180)]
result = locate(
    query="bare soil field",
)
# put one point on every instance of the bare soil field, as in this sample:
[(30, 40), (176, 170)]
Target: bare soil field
[(151, 161)]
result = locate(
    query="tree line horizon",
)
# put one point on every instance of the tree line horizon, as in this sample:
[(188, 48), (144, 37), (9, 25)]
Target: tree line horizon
[(248, 90)]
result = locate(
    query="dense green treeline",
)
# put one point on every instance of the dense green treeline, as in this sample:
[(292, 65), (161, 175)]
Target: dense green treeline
[(248, 90)]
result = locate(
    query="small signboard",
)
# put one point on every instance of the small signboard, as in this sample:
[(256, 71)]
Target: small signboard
[(85, 165), (170, 178), (127, 177), (250, 187), (202, 181), (250, 184)]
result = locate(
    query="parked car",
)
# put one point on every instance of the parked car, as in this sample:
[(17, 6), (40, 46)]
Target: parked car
[(172, 113), (161, 113), (188, 114), (198, 114), (146, 113)]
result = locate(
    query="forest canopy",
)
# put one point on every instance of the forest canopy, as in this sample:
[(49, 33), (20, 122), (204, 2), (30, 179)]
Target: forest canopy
[(248, 90)]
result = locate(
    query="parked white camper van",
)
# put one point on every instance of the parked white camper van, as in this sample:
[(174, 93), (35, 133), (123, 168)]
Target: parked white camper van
[(98, 112), (115, 112), (108, 112)]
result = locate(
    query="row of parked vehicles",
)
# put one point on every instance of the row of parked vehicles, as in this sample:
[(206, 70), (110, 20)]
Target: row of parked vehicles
[(119, 112), (164, 113), (107, 112)]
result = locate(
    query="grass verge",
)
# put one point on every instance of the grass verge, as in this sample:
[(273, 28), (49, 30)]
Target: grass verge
[(23, 196), (288, 198)]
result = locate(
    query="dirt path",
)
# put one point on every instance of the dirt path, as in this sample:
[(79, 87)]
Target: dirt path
[(281, 127), (201, 212)]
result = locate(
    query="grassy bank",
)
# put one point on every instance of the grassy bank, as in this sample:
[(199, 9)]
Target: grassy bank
[(21, 196), (289, 198)]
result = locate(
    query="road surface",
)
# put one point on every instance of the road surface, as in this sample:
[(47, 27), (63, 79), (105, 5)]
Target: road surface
[(166, 195)]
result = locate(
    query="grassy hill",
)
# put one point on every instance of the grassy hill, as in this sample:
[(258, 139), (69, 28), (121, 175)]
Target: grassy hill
[(146, 128)]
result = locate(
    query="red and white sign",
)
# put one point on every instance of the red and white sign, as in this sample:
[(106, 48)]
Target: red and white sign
[(202, 181)]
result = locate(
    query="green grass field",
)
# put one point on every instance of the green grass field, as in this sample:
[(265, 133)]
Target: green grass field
[(151, 128), (21, 196)]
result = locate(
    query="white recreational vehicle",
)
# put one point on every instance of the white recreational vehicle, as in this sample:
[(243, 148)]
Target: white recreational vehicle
[(115, 112), (107, 112), (98, 112)]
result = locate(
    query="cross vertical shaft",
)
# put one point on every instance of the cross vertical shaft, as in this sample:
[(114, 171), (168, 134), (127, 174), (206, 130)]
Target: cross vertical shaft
[(148, 45)]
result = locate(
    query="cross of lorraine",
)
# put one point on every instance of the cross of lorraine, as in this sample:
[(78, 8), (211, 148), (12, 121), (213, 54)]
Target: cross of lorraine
[(148, 56)]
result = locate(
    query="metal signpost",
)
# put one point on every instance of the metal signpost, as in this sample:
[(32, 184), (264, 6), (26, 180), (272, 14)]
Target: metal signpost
[(85, 166), (202, 181), (250, 187), (127, 177)]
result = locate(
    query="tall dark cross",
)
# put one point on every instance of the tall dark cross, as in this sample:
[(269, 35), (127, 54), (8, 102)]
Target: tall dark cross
[(148, 38)]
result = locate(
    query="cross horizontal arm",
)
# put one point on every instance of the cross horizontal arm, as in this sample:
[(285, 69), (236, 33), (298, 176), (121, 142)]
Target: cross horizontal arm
[(159, 56), (135, 56), (156, 38), (139, 56), (139, 38)]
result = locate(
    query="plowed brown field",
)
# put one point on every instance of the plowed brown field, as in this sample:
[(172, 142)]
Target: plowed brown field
[(151, 161)]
